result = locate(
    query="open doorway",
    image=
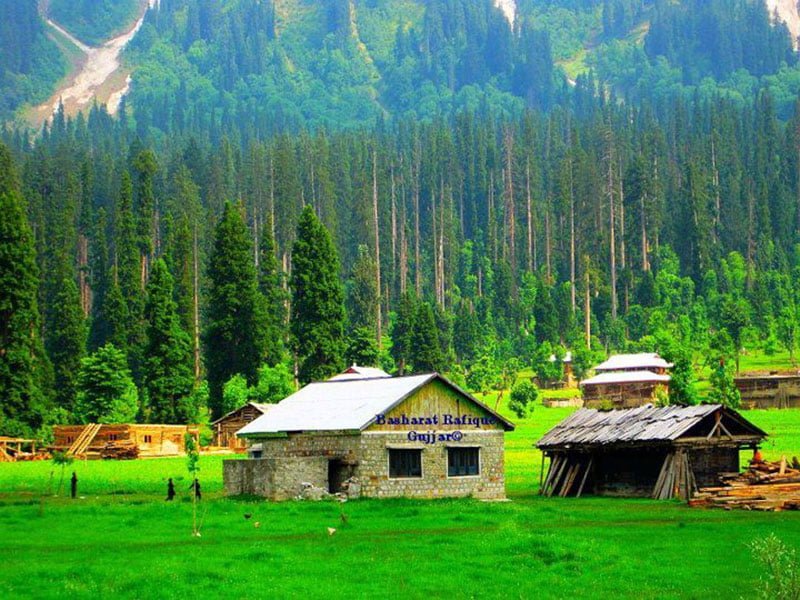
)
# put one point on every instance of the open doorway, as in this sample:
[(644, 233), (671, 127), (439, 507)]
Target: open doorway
[(338, 473)]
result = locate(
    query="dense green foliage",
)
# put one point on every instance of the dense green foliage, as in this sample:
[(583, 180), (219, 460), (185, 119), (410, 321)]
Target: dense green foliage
[(317, 323), (22, 372), (30, 62), (94, 21), (234, 334), (106, 392), (168, 365), (482, 212)]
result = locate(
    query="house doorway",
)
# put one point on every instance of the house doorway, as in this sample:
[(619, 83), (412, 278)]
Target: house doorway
[(338, 473)]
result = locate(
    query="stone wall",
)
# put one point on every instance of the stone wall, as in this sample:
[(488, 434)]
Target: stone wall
[(299, 458), (276, 478), (434, 483)]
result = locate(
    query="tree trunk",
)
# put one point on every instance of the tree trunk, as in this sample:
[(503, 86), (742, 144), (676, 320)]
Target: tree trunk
[(376, 226), (529, 208)]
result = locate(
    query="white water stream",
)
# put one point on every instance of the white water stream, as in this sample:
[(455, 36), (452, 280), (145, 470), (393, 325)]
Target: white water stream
[(509, 8)]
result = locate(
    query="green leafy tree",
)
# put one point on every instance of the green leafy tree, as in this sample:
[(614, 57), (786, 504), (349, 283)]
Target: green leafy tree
[(317, 323), (22, 368), (522, 399), (723, 388), (274, 384), (106, 392), (235, 393), (169, 362), (234, 334), (682, 385), (734, 317)]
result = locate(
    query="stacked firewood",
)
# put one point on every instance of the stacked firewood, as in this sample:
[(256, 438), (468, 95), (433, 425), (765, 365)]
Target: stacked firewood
[(771, 486), (120, 450)]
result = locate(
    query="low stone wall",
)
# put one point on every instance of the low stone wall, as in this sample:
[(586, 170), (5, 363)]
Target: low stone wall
[(276, 478)]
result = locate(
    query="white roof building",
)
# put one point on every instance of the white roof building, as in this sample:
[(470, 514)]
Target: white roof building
[(356, 372), (644, 361), (342, 405)]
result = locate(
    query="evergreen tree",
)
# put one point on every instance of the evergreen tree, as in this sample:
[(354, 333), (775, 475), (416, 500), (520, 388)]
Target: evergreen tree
[(168, 363), (362, 300), (22, 372), (426, 351), (234, 334), (362, 349), (66, 338), (403, 331), (271, 285), (317, 322), (106, 392)]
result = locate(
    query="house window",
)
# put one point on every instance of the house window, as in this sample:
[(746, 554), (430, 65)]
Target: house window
[(70, 439), (462, 462), (112, 437), (405, 464), (148, 439)]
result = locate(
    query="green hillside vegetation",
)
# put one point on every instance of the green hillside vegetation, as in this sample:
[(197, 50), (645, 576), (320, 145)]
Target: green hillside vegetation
[(30, 62), (94, 21)]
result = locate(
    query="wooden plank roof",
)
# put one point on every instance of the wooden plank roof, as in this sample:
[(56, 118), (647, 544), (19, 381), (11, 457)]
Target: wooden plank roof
[(589, 427)]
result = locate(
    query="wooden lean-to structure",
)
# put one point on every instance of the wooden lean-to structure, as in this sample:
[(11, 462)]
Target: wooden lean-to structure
[(657, 452), (121, 440)]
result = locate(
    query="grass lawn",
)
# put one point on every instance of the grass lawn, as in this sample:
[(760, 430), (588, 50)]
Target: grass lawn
[(122, 539)]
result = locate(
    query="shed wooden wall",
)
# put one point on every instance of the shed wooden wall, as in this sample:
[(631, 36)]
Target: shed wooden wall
[(769, 392), (622, 395), (225, 430), (163, 440)]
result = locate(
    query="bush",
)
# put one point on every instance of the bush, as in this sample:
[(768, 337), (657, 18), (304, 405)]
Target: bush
[(523, 397), (781, 578)]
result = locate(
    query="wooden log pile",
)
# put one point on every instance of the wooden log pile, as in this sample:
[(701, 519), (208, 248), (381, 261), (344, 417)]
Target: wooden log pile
[(120, 450), (767, 486)]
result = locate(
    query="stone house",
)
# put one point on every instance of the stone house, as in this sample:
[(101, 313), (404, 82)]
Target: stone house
[(419, 436)]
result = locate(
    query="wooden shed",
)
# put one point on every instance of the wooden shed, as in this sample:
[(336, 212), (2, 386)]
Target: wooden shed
[(769, 391), (646, 451), (225, 428), (627, 389), (97, 440)]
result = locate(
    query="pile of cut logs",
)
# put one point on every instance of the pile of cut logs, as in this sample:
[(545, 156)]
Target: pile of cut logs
[(120, 450), (770, 486)]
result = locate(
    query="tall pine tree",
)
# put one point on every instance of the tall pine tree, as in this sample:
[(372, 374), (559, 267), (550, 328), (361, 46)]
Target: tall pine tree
[(22, 368), (317, 322), (234, 334), (168, 364)]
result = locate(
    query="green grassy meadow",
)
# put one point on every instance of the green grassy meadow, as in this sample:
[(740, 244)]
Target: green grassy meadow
[(121, 538)]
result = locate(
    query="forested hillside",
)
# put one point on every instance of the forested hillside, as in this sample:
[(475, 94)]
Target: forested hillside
[(295, 186), (30, 62)]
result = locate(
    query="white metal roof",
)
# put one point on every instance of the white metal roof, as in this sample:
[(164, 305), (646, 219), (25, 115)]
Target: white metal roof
[(341, 405), (356, 372), (626, 377), (643, 360)]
